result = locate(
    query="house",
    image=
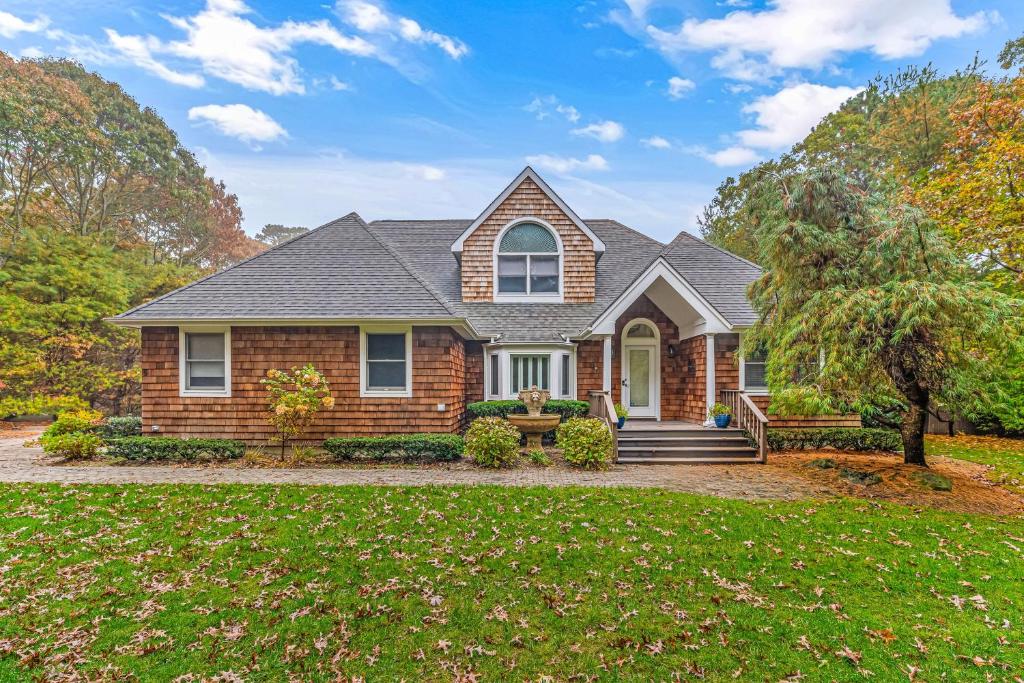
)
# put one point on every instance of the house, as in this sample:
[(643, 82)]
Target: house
[(410, 320)]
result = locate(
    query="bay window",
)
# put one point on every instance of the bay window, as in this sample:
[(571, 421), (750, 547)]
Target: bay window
[(511, 369)]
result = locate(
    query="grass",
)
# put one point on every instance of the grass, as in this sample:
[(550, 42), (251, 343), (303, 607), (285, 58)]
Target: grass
[(319, 583), (1006, 456)]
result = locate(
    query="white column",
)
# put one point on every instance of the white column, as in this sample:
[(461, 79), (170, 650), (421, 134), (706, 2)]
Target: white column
[(710, 374), (606, 379)]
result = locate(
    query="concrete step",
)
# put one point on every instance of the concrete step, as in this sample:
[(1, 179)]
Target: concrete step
[(736, 440), (630, 460)]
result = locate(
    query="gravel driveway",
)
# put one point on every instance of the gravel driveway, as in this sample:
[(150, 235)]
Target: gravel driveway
[(21, 464)]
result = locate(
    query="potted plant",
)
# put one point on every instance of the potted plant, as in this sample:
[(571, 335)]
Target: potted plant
[(622, 414), (721, 414)]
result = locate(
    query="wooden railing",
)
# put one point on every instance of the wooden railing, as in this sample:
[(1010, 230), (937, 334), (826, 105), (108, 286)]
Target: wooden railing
[(749, 417), (602, 408)]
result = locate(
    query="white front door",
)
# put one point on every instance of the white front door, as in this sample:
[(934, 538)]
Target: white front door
[(640, 383)]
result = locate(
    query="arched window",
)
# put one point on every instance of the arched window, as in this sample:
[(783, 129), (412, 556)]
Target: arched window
[(528, 261), (640, 331)]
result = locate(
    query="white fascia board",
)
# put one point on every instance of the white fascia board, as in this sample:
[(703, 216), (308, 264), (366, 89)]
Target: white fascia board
[(461, 325), (532, 175), (714, 321)]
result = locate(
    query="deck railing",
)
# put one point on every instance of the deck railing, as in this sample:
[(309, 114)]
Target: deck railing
[(602, 408), (750, 418)]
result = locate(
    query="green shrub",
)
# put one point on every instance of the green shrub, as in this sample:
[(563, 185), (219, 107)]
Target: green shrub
[(74, 421), (539, 457), (564, 407), (585, 442), (397, 448), (71, 445), (40, 405), (114, 427), (822, 464), (170, 449), (840, 438), (492, 442)]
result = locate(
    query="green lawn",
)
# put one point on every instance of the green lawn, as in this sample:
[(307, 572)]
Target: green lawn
[(1006, 456), (510, 584)]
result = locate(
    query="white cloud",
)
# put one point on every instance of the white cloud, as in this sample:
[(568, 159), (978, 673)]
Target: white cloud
[(239, 121), (138, 51), (32, 52), (605, 131), (563, 165), (368, 17), (756, 44), (542, 107), (656, 142), (11, 25), (424, 171), (732, 156), (788, 116), (337, 84), (678, 87), (738, 88), (227, 45)]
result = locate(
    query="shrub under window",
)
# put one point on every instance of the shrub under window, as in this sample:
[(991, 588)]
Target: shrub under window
[(397, 448), (493, 442)]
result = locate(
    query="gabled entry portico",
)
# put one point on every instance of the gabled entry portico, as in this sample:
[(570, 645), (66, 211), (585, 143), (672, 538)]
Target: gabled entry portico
[(667, 351)]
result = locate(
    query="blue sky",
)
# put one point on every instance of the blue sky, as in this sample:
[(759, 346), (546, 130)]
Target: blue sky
[(631, 110)]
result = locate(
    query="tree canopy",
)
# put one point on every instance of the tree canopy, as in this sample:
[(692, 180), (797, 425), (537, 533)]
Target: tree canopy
[(101, 208), (865, 299)]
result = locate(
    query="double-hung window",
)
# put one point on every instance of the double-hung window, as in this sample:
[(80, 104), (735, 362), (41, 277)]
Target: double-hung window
[(528, 262), (386, 365), (754, 378), (205, 362)]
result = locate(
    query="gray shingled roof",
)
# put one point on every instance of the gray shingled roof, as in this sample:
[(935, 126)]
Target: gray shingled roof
[(339, 270), (720, 276), (405, 269)]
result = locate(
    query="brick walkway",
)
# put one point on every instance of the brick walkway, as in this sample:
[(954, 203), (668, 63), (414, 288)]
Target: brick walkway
[(21, 464)]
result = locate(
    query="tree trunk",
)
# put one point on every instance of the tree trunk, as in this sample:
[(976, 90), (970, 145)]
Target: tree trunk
[(913, 426)]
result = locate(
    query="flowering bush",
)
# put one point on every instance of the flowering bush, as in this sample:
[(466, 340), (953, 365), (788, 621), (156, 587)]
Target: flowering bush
[(294, 398), (585, 442), (493, 442)]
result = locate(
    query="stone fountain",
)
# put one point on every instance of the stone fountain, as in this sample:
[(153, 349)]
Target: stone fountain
[(533, 424)]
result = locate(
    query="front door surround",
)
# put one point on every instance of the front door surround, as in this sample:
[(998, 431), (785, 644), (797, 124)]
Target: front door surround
[(641, 368)]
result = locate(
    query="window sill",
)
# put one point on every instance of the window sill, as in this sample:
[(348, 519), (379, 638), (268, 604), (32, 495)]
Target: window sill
[(192, 393), (370, 393), (757, 391), (528, 298)]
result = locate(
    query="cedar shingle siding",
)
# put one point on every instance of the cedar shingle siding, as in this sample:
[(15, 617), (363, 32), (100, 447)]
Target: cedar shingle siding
[(528, 200), (438, 377)]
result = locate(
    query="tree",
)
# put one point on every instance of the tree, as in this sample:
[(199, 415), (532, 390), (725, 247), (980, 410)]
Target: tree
[(273, 234), (293, 400), (1012, 54), (877, 290), (976, 190)]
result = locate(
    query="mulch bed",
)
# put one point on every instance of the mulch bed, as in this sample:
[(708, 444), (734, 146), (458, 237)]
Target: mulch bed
[(899, 483)]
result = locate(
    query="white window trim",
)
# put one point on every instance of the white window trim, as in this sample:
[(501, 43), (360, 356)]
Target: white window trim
[(504, 354), (653, 343), (753, 391), (550, 298), (364, 392), (182, 384)]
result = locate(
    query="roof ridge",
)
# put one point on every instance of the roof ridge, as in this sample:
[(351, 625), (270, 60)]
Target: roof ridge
[(440, 298), (421, 220), (288, 241), (626, 227), (683, 233)]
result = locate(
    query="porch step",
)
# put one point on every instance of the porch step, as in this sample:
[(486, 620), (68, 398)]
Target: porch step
[(663, 444)]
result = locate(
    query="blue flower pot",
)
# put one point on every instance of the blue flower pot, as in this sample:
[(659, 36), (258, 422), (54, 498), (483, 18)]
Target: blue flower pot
[(622, 422), (722, 421)]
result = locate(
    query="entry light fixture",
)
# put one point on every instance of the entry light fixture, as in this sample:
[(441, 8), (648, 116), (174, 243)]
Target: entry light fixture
[(672, 351)]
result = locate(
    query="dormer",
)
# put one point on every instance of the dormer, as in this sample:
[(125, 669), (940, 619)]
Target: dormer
[(528, 246)]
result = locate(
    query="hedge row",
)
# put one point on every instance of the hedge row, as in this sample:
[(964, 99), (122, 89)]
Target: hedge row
[(169, 449), (564, 407), (397, 448), (840, 438)]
